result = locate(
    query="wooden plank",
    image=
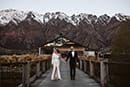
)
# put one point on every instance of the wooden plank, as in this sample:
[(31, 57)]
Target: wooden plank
[(82, 79)]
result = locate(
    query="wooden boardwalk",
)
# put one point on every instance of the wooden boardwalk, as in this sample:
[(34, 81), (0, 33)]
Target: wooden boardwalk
[(82, 79)]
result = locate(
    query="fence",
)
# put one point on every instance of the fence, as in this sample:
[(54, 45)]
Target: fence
[(21, 74), (108, 74)]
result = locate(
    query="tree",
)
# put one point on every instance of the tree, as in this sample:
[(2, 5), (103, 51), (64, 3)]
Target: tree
[(121, 43)]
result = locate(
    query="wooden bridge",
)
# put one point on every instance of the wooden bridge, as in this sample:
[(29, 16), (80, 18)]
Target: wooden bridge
[(90, 73), (82, 79)]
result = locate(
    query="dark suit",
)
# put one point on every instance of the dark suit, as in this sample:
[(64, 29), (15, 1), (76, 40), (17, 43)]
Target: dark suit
[(73, 61)]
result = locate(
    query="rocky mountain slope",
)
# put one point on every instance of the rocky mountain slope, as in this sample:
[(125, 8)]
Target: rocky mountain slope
[(26, 30)]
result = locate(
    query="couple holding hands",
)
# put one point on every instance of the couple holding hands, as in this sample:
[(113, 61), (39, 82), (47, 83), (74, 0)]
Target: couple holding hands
[(56, 57)]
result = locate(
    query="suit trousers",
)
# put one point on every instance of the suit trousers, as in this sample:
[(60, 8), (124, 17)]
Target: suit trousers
[(72, 71)]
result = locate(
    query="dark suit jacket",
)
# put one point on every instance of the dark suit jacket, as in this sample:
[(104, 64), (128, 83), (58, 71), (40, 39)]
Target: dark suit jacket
[(73, 60)]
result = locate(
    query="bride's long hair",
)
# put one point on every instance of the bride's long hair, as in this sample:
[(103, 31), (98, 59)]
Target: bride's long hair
[(56, 50)]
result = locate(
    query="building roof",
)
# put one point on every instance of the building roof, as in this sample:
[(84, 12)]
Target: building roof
[(69, 42)]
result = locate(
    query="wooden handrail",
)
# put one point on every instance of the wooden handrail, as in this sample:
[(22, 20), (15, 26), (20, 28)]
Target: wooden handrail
[(111, 62), (41, 66), (22, 62), (102, 68)]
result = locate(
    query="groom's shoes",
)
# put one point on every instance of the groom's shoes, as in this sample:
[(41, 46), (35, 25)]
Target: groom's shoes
[(72, 78)]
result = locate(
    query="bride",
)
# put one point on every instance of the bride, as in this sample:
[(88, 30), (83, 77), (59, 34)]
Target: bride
[(56, 63)]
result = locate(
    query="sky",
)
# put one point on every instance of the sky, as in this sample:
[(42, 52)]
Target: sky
[(70, 7)]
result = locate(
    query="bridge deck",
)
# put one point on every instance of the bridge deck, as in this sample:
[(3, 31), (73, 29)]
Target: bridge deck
[(82, 79)]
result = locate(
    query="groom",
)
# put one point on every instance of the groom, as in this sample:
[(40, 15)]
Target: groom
[(72, 55)]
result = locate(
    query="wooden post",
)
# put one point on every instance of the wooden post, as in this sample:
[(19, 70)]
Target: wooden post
[(39, 50), (38, 69), (98, 55), (80, 64), (26, 75), (85, 66), (103, 72), (47, 64), (43, 66), (91, 68), (0, 74)]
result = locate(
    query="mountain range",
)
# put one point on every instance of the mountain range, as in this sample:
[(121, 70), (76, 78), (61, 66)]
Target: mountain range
[(21, 30)]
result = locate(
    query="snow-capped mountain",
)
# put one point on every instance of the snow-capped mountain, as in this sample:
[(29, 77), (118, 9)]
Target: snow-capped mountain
[(17, 16), (62, 16), (12, 15), (7, 15), (35, 16), (25, 30), (122, 17)]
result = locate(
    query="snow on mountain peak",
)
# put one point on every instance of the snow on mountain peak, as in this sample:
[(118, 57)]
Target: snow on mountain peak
[(89, 18), (60, 15), (17, 16), (121, 17), (103, 19), (10, 14), (35, 16)]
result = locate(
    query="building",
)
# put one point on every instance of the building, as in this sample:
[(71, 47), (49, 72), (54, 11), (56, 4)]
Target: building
[(63, 44)]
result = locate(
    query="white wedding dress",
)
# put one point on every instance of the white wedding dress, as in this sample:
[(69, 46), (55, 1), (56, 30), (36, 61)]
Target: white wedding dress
[(56, 63)]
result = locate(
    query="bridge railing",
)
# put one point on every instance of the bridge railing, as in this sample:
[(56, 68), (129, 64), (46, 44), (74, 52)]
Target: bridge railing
[(21, 74), (108, 74), (118, 74)]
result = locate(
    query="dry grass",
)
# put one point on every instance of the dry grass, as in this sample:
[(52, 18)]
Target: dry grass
[(22, 58), (88, 57)]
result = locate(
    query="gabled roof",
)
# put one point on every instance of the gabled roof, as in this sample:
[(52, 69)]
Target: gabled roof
[(61, 36)]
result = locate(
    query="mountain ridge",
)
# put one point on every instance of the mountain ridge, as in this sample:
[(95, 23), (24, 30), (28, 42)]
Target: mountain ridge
[(9, 14), (28, 30)]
